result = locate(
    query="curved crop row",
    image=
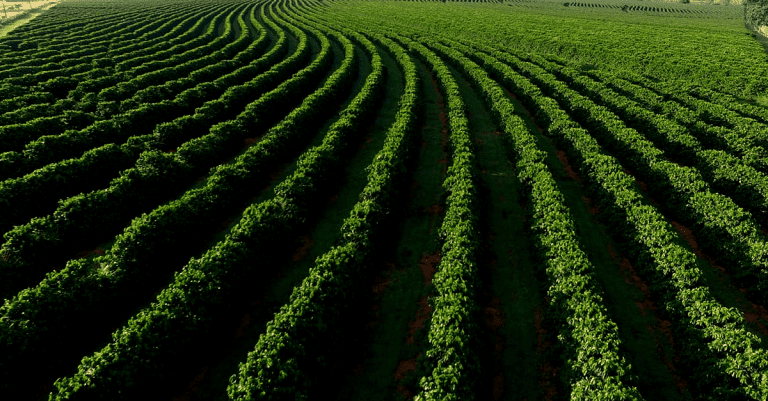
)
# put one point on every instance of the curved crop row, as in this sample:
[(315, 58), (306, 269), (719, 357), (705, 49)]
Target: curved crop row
[(177, 40), (596, 368), (683, 189), (713, 136), (453, 364), (14, 139), (724, 357), (49, 60), (727, 174), (26, 195), (716, 114), (215, 19), (81, 219), (103, 32), (201, 305), (286, 356), (152, 241), (140, 126)]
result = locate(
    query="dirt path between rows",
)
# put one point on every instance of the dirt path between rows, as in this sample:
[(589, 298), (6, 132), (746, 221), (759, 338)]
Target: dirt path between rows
[(385, 366), (642, 326), (517, 358)]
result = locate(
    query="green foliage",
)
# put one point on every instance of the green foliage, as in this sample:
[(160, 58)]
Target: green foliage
[(289, 354), (756, 12), (108, 119), (576, 304)]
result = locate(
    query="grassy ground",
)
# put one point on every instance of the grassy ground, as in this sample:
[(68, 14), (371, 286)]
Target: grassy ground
[(212, 379), (642, 331), (209, 239), (317, 238), (644, 334), (389, 348), (517, 360), (11, 13)]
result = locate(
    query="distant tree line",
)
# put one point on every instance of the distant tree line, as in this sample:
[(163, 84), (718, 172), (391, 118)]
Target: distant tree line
[(756, 12)]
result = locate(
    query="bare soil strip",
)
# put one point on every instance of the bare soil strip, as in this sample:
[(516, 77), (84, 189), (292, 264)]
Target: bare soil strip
[(386, 366), (517, 359), (718, 278), (293, 267), (651, 349)]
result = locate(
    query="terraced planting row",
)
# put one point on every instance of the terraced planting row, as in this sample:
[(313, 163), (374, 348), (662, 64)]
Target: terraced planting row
[(299, 199)]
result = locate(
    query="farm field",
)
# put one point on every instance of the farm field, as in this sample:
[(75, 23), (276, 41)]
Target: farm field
[(378, 200), (17, 13)]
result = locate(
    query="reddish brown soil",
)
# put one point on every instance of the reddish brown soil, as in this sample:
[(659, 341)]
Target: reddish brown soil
[(753, 316), (363, 145), (568, 169), (753, 313), (376, 309), (302, 251), (443, 116), (403, 368), (237, 335), (42, 392), (87, 253), (662, 326), (687, 234), (440, 102), (359, 369), (194, 386), (381, 283), (369, 131), (494, 317), (498, 386), (444, 162), (248, 142), (525, 111), (244, 322), (377, 289), (428, 264), (690, 238), (494, 320), (274, 176), (593, 210), (643, 188), (631, 277), (409, 365), (679, 163), (434, 212), (223, 226), (547, 372), (412, 189), (418, 322)]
